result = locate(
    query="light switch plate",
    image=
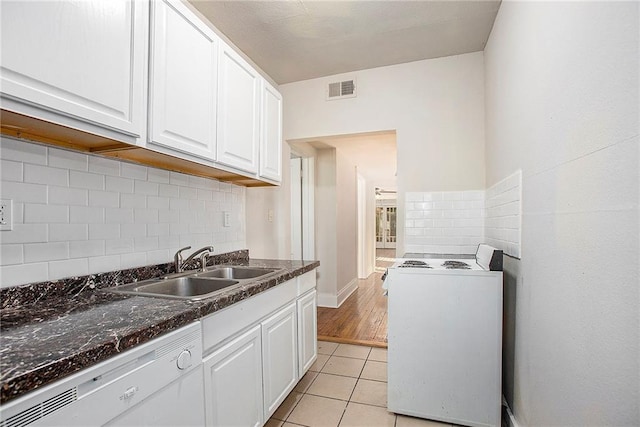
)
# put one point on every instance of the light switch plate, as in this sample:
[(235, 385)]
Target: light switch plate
[(6, 214), (227, 219)]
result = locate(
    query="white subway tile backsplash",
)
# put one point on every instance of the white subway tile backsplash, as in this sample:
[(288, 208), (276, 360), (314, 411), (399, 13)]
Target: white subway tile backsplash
[(67, 159), (133, 201), (105, 199), (11, 171), (158, 229), (146, 188), (45, 214), (11, 254), (23, 192), (119, 185), (118, 246), (25, 233), (13, 275), (104, 231), (68, 196), (205, 194), (103, 166), (129, 170), (38, 252), (160, 203), (145, 216), (445, 222), (134, 230), (132, 260), (103, 264), (90, 181), (177, 178), (158, 175), (86, 214), (37, 174), (79, 213), (188, 193), (503, 214), (168, 216), (68, 232), (144, 244), (118, 216), (86, 248), (69, 268), (20, 151), (159, 256), (168, 190)]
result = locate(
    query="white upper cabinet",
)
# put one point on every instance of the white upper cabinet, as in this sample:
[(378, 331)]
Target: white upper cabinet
[(271, 134), (238, 112), (77, 62), (183, 77)]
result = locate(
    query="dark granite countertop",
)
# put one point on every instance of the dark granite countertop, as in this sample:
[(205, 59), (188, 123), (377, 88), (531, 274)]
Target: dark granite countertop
[(51, 330)]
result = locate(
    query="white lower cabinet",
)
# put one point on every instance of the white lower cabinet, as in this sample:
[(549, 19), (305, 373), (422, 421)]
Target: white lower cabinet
[(279, 357), (307, 332), (258, 350), (233, 382)]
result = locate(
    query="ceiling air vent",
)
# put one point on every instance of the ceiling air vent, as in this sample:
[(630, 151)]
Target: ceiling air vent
[(344, 89)]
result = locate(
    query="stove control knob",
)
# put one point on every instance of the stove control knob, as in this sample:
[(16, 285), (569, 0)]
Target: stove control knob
[(184, 359)]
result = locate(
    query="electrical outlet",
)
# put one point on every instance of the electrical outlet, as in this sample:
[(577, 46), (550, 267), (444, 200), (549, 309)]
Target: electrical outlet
[(270, 215), (6, 214), (227, 219)]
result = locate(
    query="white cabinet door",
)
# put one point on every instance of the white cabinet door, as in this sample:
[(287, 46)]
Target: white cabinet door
[(183, 77), (238, 112), (279, 357), (307, 332), (233, 382), (84, 60), (271, 134)]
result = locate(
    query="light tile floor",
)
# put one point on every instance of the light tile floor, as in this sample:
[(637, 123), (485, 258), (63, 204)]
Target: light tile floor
[(346, 386)]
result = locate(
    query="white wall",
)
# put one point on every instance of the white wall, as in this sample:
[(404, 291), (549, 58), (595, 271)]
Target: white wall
[(562, 105), (76, 214), (326, 226), (436, 107), (346, 226), (270, 238)]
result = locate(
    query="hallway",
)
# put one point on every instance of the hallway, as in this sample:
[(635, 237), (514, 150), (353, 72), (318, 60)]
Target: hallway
[(362, 318)]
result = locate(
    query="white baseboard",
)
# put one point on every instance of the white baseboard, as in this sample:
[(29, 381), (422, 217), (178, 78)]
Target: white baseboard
[(335, 301), (327, 300), (347, 291)]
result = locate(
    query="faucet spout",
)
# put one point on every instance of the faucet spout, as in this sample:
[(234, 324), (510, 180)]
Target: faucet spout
[(182, 264)]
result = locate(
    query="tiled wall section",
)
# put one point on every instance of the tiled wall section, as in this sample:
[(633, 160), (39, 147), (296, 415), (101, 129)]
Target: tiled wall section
[(503, 214), (76, 214), (444, 222)]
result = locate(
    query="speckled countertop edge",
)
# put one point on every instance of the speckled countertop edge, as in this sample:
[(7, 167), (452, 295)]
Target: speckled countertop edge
[(68, 330)]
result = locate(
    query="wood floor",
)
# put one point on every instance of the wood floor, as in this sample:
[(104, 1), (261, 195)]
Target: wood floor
[(362, 318)]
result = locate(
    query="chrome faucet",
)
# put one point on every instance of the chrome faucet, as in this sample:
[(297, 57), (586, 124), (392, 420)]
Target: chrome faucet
[(180, 264)]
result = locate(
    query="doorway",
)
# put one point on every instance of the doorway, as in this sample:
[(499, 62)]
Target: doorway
[(386, 227)]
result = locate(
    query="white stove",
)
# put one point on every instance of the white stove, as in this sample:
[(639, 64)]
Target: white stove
[(445, 338)]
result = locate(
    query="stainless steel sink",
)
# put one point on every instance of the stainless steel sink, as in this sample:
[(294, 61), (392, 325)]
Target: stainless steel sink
[(186, 287), (240, 273), (195, 285)]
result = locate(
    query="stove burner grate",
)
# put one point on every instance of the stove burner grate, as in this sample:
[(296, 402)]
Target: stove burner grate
[(456, 265), (414, 264)]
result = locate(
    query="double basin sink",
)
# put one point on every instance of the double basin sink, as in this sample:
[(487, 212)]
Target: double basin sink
[(196, 285)]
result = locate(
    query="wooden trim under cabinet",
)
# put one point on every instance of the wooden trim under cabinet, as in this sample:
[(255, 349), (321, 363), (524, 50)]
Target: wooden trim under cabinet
[(34, 130)]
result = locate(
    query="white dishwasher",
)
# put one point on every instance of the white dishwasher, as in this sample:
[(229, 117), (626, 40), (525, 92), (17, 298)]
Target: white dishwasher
[(159, 383)]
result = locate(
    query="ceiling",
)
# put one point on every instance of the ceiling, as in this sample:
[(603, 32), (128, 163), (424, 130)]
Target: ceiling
[(303, 39)]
